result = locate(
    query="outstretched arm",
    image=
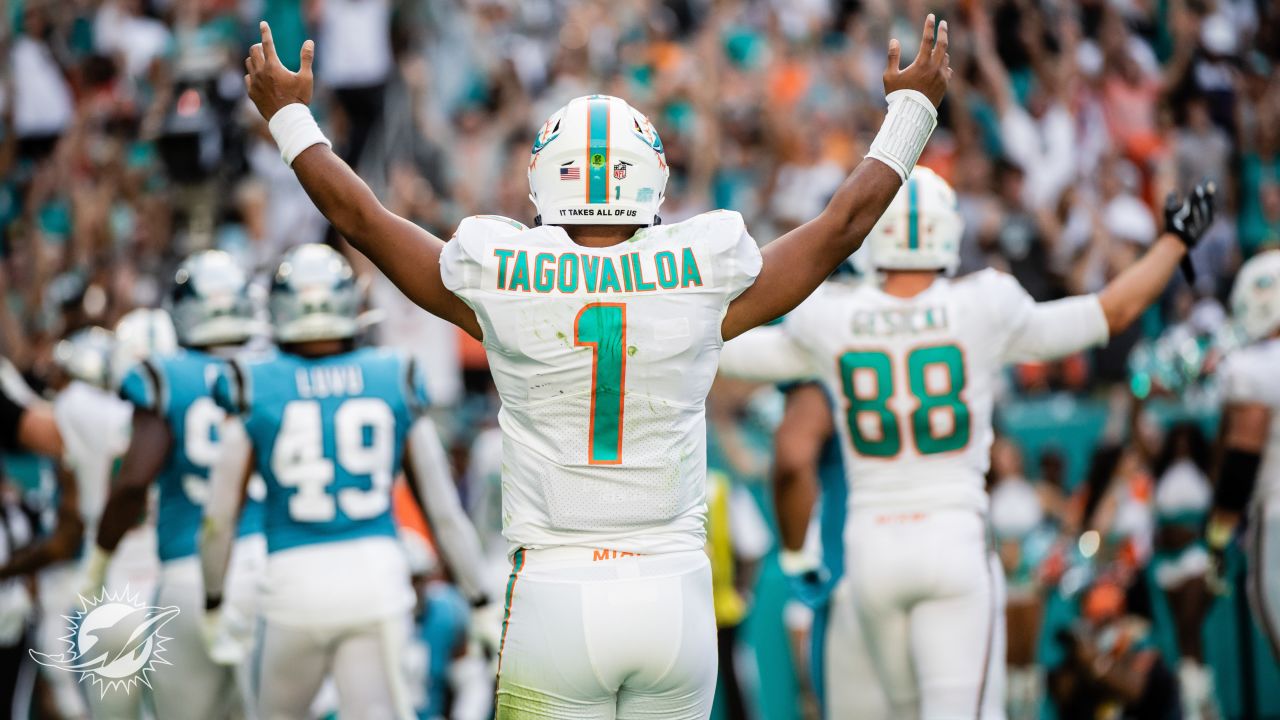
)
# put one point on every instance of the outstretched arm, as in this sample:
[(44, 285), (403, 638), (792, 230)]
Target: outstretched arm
[(407, 254), (765, 354), (796, 263), (1129, 294)]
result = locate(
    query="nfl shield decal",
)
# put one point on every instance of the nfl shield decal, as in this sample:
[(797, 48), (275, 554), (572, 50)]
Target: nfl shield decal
[(620, 170)]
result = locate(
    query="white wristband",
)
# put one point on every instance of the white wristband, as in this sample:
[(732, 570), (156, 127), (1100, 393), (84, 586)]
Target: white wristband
[(295, 130), (907, 127)]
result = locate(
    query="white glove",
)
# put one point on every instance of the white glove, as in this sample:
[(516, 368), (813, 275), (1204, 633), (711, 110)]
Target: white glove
[(93, 573), (486, 626), (227, 634)]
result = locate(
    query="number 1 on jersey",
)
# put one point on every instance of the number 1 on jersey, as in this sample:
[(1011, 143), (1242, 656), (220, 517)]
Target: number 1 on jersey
[(603, 328)]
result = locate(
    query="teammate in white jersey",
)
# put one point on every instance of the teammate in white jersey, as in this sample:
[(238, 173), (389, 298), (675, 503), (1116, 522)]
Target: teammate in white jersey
[(603, 331), (1248, 477), (94, 426), (912, 365)]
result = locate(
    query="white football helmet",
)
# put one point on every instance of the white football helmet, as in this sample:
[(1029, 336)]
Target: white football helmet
[(1255, 298), (140, 334), (314, 296), (597, 161), (921, 228), (86, 355)]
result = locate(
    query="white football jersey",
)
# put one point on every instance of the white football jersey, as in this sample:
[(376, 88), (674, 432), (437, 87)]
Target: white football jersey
[(603, 358), (913, 380), (95, 428), (1249, 376)]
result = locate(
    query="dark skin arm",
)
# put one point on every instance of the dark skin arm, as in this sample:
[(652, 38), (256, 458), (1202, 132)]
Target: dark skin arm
[(38, 431), (796, 263), (142, 462), (62, 543), (806, 426), (407, 254)]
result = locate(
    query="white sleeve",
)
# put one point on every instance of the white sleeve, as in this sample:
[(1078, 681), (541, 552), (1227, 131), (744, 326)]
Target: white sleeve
[(735, 256), (766, 354), (1242, 381), (460, 266), (744, 263), (453, 532), (1056, 329), (227, 485)]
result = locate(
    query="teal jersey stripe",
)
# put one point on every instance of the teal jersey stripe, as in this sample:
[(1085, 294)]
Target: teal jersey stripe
[(913, 216), (598, 151)]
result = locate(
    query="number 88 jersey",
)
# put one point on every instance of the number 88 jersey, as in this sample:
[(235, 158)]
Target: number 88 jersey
[(914, 379), (328, 436)]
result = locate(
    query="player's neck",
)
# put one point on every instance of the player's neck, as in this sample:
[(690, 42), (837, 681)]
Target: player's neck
[(219, 351), (317, 348), (907, 283), (599, 236)]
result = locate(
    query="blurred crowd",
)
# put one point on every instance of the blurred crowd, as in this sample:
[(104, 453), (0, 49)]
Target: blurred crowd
[(126, 142)]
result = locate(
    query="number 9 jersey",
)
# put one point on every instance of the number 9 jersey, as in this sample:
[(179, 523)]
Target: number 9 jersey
[(177, 387), (603, 358)]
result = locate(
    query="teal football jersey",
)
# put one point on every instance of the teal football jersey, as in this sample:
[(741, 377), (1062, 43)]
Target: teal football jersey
[(178, 388), (328, 435)]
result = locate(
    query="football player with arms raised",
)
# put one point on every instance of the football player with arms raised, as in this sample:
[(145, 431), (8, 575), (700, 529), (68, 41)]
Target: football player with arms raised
[(912, 363), (603, 330)]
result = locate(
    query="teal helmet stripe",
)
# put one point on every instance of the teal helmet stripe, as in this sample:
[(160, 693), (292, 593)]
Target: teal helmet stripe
[(598, 150), (913, 216)]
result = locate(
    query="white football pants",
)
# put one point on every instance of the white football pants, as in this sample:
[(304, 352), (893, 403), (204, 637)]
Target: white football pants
[(929, 595), (367, 662), (850, 686), (192, 685), (593, 634)]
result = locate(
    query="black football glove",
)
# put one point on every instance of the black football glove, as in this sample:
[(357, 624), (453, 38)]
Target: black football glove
[(1189, 219)]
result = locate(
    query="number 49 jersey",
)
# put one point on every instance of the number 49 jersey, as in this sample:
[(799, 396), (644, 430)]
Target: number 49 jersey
[(603, 358), (178, 387), (914, 378), (328, 436)]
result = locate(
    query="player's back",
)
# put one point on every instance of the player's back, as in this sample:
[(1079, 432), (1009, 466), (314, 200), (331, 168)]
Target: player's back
[(328, 434), (1250, 376), (177, 387), (603, 358), (914, 382)]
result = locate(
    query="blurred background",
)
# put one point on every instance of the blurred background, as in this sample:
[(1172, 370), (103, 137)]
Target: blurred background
[(126, 142)]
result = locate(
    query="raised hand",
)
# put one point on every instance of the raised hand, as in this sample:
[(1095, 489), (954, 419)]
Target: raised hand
[(271, 85), (930, 72), (1190, 217)]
